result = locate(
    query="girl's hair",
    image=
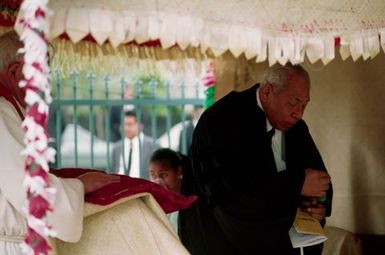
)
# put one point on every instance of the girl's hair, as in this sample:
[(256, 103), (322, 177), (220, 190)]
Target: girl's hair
[(173, 158)]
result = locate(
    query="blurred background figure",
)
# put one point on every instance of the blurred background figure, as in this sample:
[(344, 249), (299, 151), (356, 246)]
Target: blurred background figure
[(116, 114), (131, 156), (186, 133)]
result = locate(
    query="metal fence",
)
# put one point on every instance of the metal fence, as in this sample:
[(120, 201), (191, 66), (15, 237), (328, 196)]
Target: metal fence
[(80, 115)]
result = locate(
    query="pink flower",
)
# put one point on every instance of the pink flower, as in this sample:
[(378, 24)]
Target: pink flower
[(37, 170), (37, 242), (38, 206), (40, 118), (209, 79)]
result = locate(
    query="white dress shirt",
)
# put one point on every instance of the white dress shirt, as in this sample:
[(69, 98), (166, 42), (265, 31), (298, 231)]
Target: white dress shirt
[(276, 141), (134, 170)]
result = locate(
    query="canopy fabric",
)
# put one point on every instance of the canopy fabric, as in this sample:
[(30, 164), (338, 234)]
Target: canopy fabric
[(130, 59), (277, 31)]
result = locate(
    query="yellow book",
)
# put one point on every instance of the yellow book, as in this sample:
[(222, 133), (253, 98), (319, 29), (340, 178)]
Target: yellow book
[(306, 231)]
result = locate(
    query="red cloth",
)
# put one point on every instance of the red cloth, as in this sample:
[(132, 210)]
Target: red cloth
[(168, 200)]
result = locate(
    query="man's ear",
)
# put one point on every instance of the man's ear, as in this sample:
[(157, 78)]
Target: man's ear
[(265, 91), (12, 70)]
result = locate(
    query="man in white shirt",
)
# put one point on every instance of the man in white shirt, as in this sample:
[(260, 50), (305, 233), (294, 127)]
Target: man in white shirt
[(131, 156), (116, 111)]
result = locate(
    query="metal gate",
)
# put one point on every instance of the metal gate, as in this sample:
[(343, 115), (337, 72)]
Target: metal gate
[(80, 115)]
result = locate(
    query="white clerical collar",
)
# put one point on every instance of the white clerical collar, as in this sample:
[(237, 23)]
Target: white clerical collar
[(268, 124)]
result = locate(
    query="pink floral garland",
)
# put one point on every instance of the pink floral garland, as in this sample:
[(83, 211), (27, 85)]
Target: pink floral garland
[(33, 23)]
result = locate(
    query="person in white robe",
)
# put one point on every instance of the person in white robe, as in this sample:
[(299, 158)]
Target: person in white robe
[(135, 225), (67, 217)]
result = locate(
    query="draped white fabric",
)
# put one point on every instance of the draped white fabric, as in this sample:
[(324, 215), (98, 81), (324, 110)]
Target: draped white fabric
[(277, 31)]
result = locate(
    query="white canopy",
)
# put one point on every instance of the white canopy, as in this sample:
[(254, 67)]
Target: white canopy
[(266, 29)]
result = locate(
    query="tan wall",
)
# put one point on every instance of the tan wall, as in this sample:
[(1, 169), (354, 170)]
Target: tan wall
[(346, 117)]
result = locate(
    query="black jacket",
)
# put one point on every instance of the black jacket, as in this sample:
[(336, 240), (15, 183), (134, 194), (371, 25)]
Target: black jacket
[(244, 205)]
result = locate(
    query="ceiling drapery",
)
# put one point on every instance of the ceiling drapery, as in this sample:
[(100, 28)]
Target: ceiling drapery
[(277, 31)]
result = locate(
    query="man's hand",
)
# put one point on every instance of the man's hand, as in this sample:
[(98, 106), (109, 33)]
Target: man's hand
[(318, 212), (94, 180), (316, 183)]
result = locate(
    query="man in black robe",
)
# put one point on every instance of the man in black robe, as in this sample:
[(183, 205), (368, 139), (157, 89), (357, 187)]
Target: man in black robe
[(252, 163)]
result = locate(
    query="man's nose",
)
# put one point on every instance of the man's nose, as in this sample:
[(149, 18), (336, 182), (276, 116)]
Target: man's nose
[(298, 112)]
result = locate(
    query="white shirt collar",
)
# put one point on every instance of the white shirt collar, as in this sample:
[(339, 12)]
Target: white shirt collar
[(268, 124), (276, 141), (135, 138), (134, 170)]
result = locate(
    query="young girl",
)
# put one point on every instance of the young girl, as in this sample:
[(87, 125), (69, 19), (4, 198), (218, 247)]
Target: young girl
[(166, 169)]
